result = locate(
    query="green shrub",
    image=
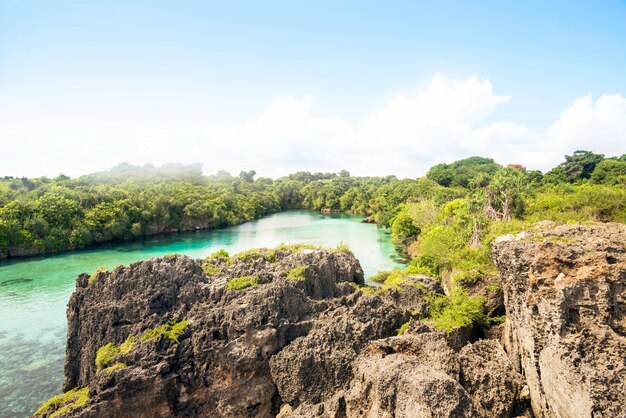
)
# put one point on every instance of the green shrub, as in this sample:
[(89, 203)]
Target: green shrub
[(342, 247), (105, 355), (470, 264), (211, 269), (586, 202), (94, 276), (172, 330), (456, 310), (403, 227), (297, 273), (117, 366), (496, 320), (403, 328), (395, 279), (239, 283), (221, 253), (65, 402), (610, 171)]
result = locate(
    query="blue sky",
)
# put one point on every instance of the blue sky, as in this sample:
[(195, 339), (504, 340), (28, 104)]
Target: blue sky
[(280, 85)]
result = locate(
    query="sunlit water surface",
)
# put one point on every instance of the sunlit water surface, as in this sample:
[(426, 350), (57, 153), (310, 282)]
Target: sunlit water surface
[(34, 291)]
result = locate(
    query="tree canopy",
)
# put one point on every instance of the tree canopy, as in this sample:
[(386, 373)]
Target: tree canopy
[(461, 200)]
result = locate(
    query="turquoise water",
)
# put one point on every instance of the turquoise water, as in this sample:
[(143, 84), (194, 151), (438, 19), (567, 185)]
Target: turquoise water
[(34, 292)]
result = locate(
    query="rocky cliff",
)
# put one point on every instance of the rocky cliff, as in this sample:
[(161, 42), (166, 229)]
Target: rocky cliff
[(290, 332), (565, 330)]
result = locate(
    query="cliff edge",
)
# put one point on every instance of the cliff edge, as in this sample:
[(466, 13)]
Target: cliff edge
[(565, 329), (290, 332)]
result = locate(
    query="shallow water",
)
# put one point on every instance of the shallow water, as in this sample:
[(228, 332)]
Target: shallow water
[(34, 291)]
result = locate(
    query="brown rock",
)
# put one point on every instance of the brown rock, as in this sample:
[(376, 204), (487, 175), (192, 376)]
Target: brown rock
[(565, 293)]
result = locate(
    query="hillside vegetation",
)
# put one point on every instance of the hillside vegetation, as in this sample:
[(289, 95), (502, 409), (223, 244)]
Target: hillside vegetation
[(444, 219)]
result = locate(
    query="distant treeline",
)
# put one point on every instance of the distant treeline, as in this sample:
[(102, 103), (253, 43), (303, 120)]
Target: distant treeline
[(42, 215)]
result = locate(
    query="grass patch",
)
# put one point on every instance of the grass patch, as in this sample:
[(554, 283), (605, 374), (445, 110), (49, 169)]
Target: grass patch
[(94, 276), (105, 356), (272, 255), (172, 330), (368, 290), (239, 283), (221, 253), (342, 247), (127, 345), (65, 402), (297, 274), (107, 353), (380, 277), (295, 248), (471, 264), (211, 269), (262, 253), (117, 366), (403, 328)]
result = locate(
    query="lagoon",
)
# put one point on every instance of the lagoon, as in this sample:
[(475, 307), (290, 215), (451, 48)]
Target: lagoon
[(34, 291)]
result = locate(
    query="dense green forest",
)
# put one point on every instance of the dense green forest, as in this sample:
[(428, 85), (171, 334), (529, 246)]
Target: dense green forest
[(444, 219)]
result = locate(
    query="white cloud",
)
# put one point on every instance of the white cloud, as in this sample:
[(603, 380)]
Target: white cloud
[(407, 135), (586, 123)]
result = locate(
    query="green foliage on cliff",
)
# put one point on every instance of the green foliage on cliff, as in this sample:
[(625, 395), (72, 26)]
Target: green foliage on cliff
[(127, 345), (63, 403), (456, 310), (243, 282), (94, 276), (105, 355), (211, 269), (249, 255), (272, 255), (173, 330), (342, 247), (403, 328), (297, 274), (380, 277), (117, 366), (453, 237), (221, 253)]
